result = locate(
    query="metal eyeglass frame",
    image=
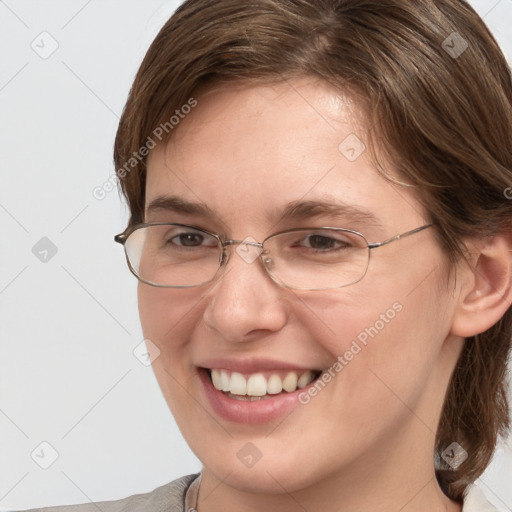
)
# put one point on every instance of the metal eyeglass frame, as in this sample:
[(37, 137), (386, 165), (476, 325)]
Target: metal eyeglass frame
[(224, 254)]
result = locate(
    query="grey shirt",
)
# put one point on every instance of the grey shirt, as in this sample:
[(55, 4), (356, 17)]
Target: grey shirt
[(181, 496), (177, 496)]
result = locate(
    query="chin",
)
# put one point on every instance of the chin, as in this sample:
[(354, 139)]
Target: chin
[(275, 474)]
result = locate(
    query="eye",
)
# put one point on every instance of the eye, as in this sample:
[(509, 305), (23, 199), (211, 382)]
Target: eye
[(324, 242), (188, 239), (183, 237)]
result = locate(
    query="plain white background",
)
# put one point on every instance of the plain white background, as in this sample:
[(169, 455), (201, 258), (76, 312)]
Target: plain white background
[(68, 314)]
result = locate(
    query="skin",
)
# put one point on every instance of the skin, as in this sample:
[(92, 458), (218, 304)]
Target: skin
[(366, 442)]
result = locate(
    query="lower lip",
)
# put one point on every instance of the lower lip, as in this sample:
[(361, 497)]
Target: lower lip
[(247, 412)]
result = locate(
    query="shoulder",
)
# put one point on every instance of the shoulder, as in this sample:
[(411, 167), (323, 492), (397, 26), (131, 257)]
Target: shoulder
[(168, 498), (475, 501)]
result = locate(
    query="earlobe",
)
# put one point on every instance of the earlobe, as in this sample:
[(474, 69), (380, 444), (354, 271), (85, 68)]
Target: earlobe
[(486, 293)]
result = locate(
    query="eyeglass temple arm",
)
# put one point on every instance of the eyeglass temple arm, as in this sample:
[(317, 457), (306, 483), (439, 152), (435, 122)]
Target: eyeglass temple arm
[(398, 237)]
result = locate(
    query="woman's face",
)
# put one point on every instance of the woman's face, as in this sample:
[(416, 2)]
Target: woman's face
[(253, 161)]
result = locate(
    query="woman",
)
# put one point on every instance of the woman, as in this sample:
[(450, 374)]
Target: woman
[(320, 228)]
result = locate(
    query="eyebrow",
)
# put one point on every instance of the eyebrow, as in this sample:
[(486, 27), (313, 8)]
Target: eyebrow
[(177, 205), (294, 211), (303, 210)]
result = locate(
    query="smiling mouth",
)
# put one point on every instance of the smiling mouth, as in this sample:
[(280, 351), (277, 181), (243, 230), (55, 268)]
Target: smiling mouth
[(262, 385)]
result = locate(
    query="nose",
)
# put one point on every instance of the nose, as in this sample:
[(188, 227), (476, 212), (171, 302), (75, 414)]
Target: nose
[(244, 302)]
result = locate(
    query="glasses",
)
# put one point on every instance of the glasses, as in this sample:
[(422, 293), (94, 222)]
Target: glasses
[(170, 255)]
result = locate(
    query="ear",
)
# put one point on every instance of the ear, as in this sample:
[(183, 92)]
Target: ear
[(486, 291)]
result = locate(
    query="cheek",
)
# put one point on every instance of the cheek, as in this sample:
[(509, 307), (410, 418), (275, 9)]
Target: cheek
[(351, 320), (164, 312), (381, 342), (167, 317)]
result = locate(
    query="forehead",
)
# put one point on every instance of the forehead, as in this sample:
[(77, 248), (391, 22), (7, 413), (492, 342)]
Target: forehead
[(247, 152)]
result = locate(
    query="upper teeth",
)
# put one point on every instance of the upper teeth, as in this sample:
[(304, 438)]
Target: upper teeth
[(257, 384)]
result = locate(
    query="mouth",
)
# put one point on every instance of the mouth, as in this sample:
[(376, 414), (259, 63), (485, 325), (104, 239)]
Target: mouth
[(263, 385), (255, 391)]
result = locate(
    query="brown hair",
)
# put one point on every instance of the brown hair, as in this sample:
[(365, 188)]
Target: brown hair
[(441, 111)]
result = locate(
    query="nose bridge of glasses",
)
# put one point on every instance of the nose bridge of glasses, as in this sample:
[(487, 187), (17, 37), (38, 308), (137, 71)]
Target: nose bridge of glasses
[(254, 250), (248, 242), (244, 242)]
